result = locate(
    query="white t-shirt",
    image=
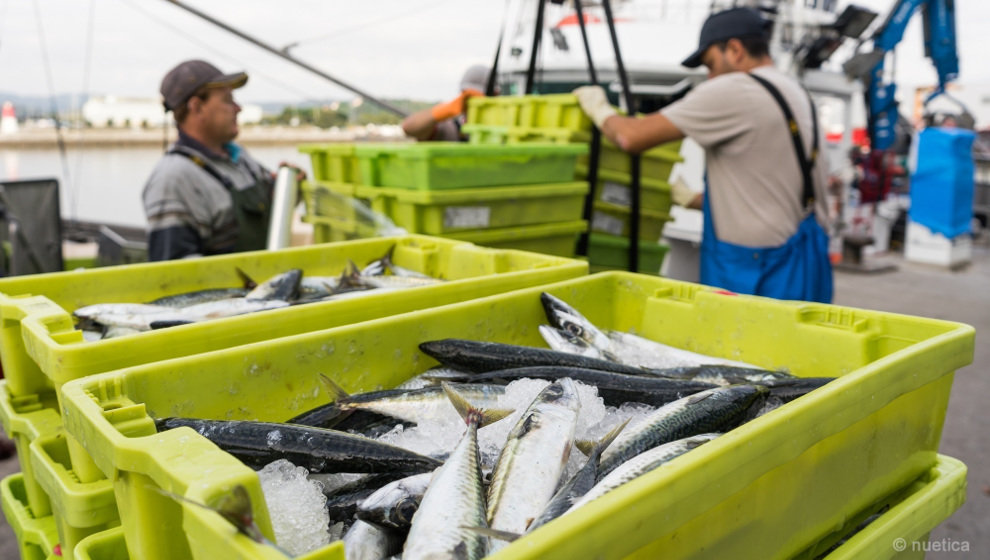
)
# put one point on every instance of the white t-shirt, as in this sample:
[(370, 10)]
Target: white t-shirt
[(754, 179)]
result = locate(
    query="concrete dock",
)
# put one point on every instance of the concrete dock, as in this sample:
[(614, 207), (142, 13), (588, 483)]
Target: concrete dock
[(913, 289)]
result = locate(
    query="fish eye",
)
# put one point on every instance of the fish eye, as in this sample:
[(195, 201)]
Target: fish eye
[(406, 508)]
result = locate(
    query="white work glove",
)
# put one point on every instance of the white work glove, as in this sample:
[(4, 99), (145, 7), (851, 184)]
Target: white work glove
[(594, 103), (681, 193)]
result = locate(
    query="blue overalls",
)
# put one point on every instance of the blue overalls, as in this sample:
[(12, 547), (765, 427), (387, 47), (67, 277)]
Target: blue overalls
[(799, 269)]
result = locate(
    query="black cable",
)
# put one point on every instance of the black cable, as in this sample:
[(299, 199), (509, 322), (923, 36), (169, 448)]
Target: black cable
[(594, 148), (633, 158), (537, 35)]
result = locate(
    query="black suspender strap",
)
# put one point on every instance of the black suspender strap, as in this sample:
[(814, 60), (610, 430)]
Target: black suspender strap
[(206, 166), (808, 197)]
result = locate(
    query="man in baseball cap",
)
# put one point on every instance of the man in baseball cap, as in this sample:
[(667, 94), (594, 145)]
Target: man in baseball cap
[(764, 198), (733, 23), (189, 77), (206, 196)]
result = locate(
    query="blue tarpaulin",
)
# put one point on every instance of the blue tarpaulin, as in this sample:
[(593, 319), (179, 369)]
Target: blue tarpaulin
[(942, 183)]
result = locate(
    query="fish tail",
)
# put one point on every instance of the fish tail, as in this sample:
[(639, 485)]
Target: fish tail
[(590, 448), (471, 415), (336, 392), (249, 283)]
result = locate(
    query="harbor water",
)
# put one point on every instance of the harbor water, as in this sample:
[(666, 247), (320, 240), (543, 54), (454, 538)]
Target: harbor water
[(104, 183)]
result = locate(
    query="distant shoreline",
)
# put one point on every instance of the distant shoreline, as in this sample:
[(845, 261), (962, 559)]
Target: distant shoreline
[(249, 136)]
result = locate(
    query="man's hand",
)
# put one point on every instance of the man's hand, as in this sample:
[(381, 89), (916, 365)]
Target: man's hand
[(454, 107), (682, 194), (594, 102), (300, 172)]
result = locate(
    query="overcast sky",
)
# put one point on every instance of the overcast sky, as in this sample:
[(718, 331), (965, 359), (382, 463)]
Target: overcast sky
[(389, 48)]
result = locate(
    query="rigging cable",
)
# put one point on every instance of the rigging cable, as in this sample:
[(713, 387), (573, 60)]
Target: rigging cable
[(87, 61), (281, 83), (63, 156), (357, 27)]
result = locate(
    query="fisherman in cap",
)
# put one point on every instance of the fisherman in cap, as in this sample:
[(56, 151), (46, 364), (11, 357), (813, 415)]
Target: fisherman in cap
[(206, 196), (764, 201), (443, 121)]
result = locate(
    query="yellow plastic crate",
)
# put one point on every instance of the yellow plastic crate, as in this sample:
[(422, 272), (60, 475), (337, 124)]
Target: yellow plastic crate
[(560, 110), (496, 134), (334, 162), (767, 490), (25, 419), (36, 535), (105, 545), (41, 348), (80, 509), (902, 531), (447, 211)]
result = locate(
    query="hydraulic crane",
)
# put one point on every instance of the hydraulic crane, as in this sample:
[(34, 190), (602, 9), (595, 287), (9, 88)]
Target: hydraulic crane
[(938, 20)]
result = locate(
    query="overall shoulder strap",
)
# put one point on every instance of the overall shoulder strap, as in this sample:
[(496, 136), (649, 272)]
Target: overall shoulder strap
[(205, 165), (808, 197)]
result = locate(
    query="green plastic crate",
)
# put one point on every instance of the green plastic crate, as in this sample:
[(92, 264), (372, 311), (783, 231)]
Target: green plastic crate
[(655, 163), (902, 531), (327, 229), (486, 133), (443, 212), (495, 134), (609, 252), (455, 165), (560, 110), (25, 419), (334, 163), (614, 188), (558, 239), (36, 536), (80, 509), (333, 200), (613, 219), (767, 490)]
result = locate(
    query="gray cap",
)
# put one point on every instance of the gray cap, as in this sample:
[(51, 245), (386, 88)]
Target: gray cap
[(476, 77), (182, 81), (729, 24)]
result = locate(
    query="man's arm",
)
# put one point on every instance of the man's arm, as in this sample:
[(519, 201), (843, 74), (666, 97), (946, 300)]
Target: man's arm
[(631, 134), (422, 125)]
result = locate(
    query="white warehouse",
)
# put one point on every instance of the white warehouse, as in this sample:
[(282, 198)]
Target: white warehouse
[(133, 112)]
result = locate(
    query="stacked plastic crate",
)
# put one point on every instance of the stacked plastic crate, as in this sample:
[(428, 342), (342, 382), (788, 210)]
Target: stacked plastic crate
[(522, 196), (558, 118)]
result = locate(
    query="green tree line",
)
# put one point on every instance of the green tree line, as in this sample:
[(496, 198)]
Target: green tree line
[(342, 114)]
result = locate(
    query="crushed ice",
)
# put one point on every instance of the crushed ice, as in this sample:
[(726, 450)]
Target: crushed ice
[(296, 506)]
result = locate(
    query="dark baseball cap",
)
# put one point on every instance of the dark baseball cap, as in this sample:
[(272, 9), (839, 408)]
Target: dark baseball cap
[(725, 25), (183, 81)]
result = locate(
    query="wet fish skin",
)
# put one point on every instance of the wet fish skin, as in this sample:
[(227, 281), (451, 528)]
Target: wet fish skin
[(725, 375), (199, 296), (417, 405), (282, 286), (634, 350), (529, 468), (563, 341), (431, 377), (366, 541), (455, 498), (713, 410), (614, 388), (385, 266), (579, 484), (564, 317), (479, 357), (641, 464), (317, 449), (135, 316), (394, 504)]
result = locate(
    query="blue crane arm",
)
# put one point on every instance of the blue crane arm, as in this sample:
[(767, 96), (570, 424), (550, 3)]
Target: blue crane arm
[(940, 47)]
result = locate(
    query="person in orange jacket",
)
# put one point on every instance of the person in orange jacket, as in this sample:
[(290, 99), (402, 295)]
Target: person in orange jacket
[(443, 121)]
